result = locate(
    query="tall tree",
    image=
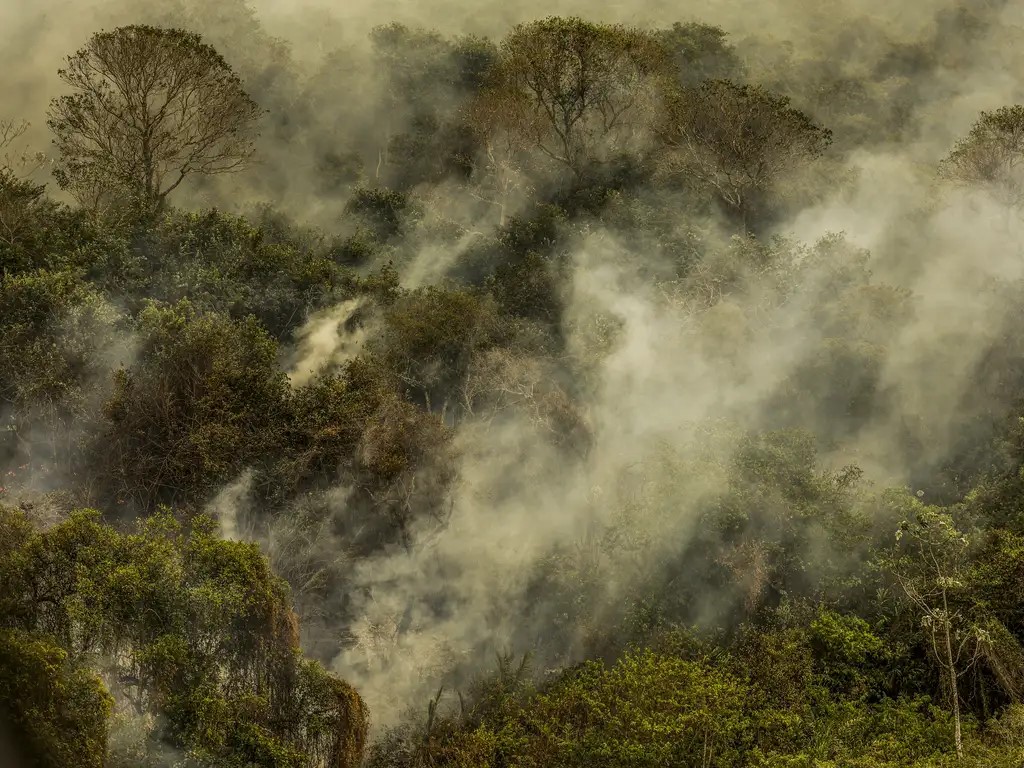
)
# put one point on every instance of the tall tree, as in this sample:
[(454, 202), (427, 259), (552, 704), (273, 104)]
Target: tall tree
[(737, 141), (414, 67), (700, 52), (991, 156), (58, 708), (500, 171), (579, 92), (21, 201), (933, 573), (149, 108)]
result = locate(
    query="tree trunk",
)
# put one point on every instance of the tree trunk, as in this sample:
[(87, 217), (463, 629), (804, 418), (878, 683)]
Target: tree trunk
[(954, 689)]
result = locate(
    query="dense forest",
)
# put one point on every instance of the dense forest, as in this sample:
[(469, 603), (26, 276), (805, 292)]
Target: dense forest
[(635, 389)]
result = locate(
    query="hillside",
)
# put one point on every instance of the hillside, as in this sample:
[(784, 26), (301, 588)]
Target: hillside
[(630, 389)]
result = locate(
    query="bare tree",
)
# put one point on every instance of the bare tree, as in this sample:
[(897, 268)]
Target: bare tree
[(737, 140), (14, 163), (150, 107), (502, 172), (932, 574), (11, 131)]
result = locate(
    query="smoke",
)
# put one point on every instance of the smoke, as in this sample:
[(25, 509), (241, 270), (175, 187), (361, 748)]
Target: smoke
[(328, 340), (308, 62), (673, 370), (668, 372), (672, 373), (227, 506), (519, 503)]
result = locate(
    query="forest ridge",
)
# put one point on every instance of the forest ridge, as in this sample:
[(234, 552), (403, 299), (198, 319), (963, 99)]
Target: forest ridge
[(575, 394)]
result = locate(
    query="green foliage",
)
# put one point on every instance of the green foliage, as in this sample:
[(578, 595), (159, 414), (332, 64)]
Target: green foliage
[(203, 399), (432, 334), (23, 211), (238, 267), (193, 629), (57, 707), (764, 706), (58, 337), (645, 711), (356, 429), (526, 281), (382, 210), (700, 52), (736, 597), (848, 650)]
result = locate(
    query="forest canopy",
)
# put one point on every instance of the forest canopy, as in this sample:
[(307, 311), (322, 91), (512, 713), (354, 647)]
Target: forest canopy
[(530, 390)]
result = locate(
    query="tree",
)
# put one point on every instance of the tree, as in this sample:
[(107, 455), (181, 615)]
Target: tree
[(647, 710), (700, 52), (472, 58), (416, 71), (23, 209), (579, 92), (58, 708), (357, 431), (10, 132), (58, 336), (425, 81), (500, 380), (991, 156), (500, 167), (22, 205), (19, 164), (202, 400), (933, 575), (195, 630), (260, 266), (150, 107), (737, 141)]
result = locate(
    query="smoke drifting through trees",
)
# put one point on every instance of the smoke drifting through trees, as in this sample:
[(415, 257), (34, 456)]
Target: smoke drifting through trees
[(541, 457)]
